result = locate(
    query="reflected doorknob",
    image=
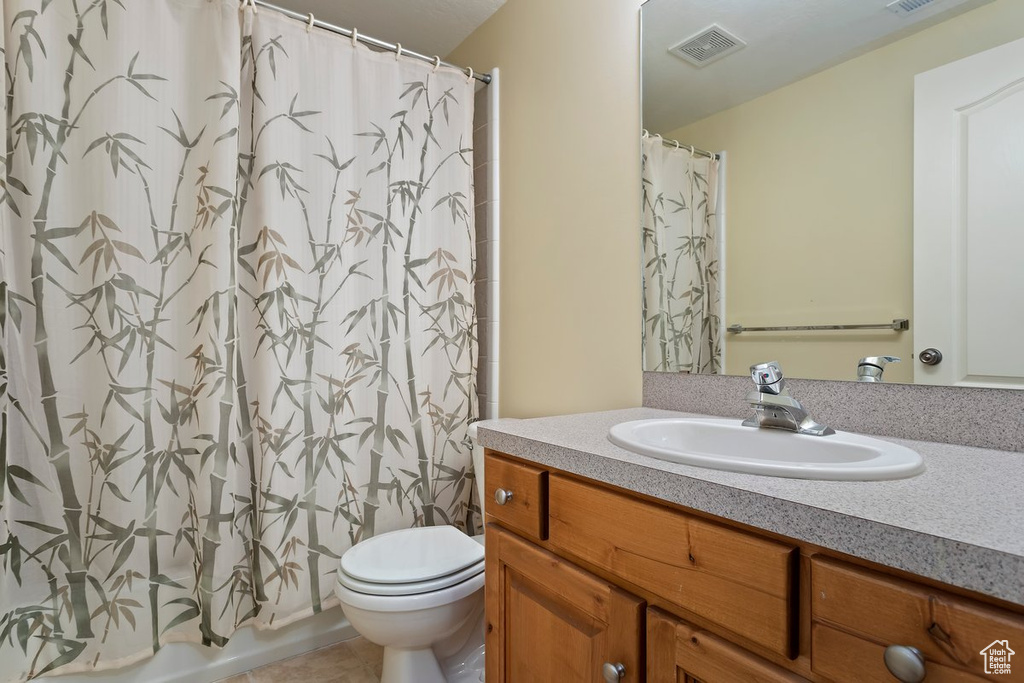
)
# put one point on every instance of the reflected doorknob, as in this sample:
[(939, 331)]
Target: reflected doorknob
[(613, 673), (930, 356)]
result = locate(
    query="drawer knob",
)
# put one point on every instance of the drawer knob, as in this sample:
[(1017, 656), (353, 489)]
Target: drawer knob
[(502, 496), (906, 663), (613, 672)]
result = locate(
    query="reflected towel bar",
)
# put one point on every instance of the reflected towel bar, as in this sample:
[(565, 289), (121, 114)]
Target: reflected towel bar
[(898, 325)]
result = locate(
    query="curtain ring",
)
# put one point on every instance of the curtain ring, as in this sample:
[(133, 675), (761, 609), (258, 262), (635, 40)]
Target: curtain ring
[(693, 152), (355, 36), (644, 134), (398, 51), (437, 62), (677, 143), (309, 24), (469, 72)]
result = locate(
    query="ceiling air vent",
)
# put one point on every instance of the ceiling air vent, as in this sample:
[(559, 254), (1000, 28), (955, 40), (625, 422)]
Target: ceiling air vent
[(905, 7), (712, 43)]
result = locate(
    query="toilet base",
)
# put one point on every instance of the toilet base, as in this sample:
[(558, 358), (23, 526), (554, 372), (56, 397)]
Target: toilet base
[(405, 666), (438, 664), (467, 664)]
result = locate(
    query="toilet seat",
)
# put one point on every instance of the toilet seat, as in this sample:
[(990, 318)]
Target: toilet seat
[(412, 588), (412, 556), (408, 603)]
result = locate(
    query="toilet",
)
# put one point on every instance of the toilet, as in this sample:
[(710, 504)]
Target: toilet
[(419, 593)]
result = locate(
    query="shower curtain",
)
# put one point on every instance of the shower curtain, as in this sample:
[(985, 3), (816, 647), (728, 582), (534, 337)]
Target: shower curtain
[(682, 325), (237, 316)]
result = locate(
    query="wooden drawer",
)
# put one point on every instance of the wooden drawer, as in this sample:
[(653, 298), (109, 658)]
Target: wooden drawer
[(738, 580), (677, 651), (527, 510), (840, 657), (857, 613)]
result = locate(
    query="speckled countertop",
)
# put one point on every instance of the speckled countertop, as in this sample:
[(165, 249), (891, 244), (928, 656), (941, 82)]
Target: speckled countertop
[(960, 522)]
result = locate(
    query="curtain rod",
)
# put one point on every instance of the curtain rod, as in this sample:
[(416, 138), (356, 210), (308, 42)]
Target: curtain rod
[(678, 145), (483, 78)]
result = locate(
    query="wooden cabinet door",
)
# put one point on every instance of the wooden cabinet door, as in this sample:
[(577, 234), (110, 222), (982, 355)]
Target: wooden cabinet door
[(548, 620), (680, 653)]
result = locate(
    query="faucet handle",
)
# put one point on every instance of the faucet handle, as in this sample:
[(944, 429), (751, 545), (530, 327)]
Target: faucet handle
[(871, 368), (767, 374), (879, 361)]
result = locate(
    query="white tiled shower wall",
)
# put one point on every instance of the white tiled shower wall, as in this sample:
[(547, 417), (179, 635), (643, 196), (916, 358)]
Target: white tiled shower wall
[(485, 187)]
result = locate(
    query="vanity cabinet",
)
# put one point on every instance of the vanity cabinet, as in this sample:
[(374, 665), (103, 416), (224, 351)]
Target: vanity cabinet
[(583, 578)]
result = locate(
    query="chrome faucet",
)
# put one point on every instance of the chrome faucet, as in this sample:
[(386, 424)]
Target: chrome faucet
[(870, 369), (775, 408)]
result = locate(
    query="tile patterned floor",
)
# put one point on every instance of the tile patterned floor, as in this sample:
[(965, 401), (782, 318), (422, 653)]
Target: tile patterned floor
[(352, 661)]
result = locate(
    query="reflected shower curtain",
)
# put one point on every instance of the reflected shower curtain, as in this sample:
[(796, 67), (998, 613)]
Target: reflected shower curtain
[(238, 325), (682, 325)]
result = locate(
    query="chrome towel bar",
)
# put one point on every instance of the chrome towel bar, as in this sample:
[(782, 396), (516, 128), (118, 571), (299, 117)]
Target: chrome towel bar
[(898, 325)]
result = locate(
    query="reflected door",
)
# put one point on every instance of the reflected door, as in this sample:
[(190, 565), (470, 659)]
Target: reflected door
[(969, 220)]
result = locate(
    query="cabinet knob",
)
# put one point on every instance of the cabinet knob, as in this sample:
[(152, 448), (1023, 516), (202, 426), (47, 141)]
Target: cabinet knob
[(502, 496), (906, 663), (613, 672)]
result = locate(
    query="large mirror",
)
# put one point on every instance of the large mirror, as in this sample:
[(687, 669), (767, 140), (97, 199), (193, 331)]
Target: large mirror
[(849, 164)]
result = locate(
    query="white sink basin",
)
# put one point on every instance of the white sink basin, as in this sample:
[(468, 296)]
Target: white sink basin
[(727, 445)]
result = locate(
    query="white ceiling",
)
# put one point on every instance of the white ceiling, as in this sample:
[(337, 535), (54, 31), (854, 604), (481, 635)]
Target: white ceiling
[(786, 40), (431, 27)]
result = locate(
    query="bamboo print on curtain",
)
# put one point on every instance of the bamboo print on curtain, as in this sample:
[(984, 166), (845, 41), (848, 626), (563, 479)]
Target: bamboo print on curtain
[(238, 331), (356, 255), (682, 324)]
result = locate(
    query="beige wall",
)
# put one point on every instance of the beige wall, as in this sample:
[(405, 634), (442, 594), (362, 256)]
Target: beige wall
[(570, 198), (820, 200)]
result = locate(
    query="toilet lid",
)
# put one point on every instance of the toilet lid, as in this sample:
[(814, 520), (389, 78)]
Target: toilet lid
[(397, 589), (411, 555)]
